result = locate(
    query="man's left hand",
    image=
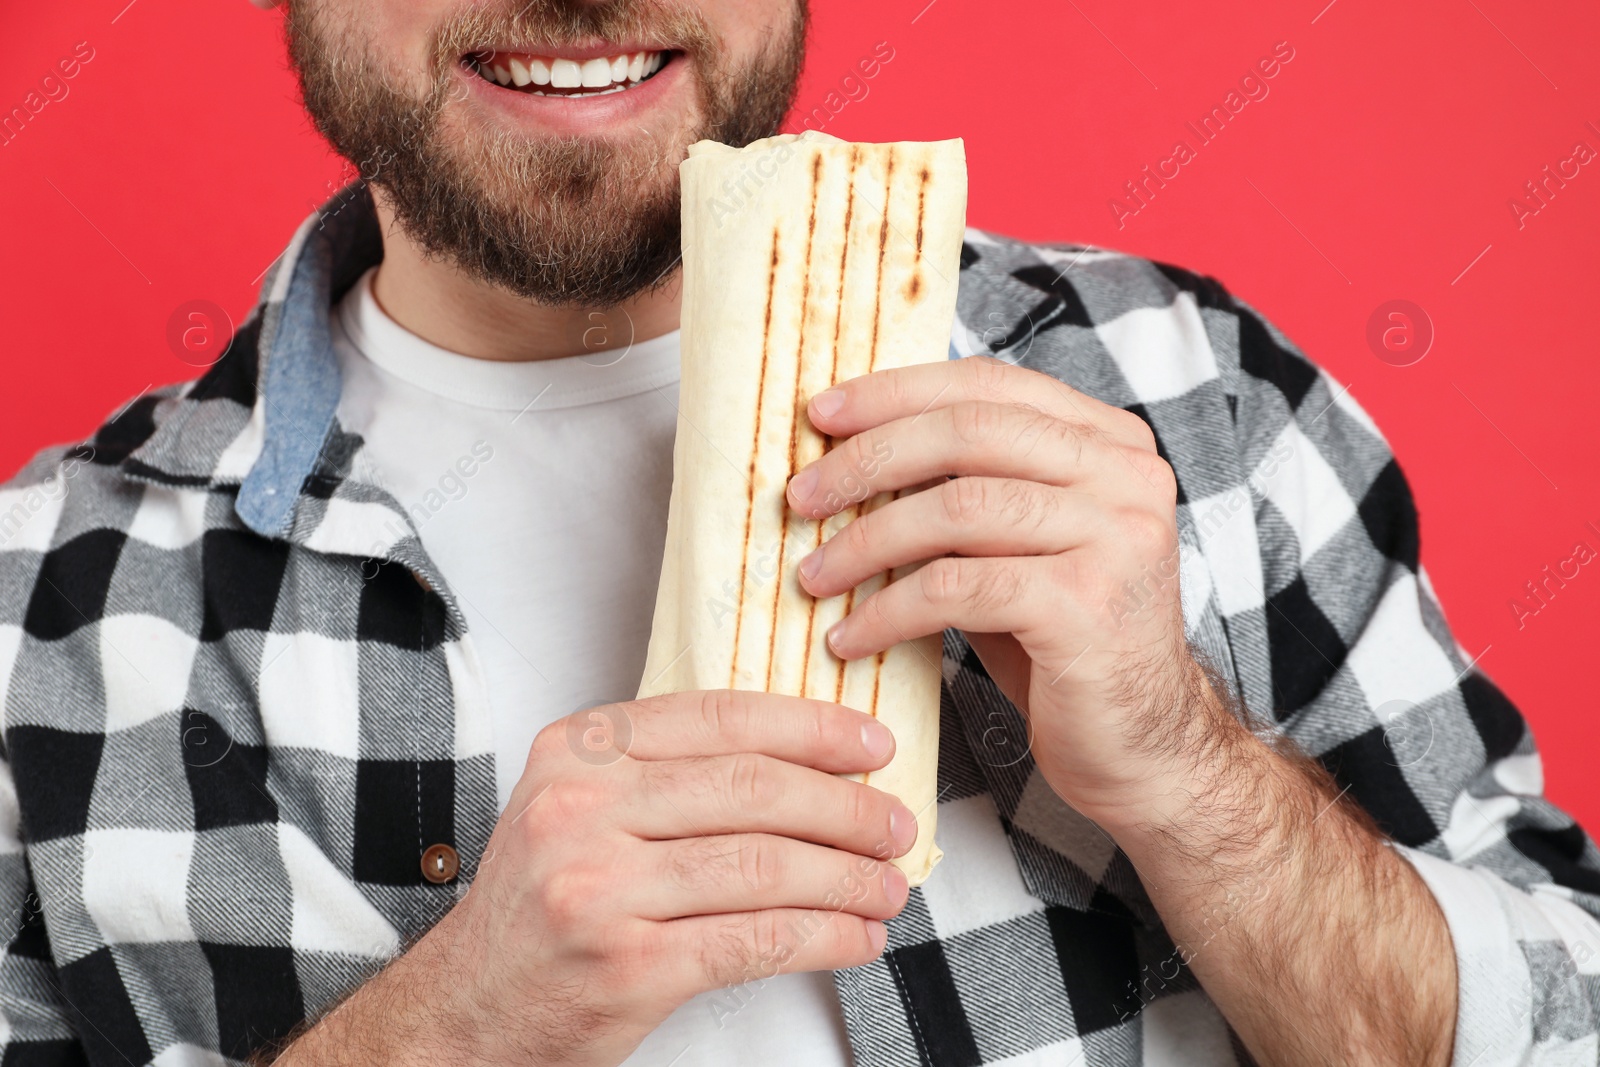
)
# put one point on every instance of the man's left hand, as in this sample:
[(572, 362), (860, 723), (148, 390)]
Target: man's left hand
[(1053, 545)]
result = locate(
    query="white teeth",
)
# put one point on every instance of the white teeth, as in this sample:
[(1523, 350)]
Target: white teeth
[(564, 74), (607, 73)]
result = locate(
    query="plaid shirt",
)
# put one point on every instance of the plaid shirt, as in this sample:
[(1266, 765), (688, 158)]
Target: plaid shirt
[(240, 702)]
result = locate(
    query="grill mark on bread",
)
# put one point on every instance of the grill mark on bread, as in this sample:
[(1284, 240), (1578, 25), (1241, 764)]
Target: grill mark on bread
[(914, 287), (912, 292), (872, 365), (833, 378), (755, 451), (844, 257), (794, 426), (883, 246), (922, 199)]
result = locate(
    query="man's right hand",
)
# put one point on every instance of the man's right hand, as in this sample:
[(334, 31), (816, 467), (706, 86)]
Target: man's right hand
[(720, 848)]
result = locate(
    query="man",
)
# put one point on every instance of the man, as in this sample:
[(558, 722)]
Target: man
[(299, 660)]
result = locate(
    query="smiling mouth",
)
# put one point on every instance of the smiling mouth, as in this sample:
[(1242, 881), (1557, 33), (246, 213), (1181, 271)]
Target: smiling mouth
[(539, 75)]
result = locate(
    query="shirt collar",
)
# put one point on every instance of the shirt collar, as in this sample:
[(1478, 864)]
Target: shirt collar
[(261, 420), (298, 383)]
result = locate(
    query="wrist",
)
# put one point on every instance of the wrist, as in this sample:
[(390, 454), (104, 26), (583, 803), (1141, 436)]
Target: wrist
[(416, 1010), (1203, 773)]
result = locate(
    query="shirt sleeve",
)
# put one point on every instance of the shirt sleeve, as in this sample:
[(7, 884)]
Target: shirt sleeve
[(1365, 675), (34, 1022)]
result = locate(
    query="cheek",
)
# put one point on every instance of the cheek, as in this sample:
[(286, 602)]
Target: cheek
[(746, 26), (397, 34)]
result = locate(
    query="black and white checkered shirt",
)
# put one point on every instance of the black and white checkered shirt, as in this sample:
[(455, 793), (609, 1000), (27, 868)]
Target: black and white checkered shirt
[(229, 732)]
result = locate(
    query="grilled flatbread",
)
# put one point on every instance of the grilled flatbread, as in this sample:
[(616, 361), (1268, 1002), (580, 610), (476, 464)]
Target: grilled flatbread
[(807, 260)]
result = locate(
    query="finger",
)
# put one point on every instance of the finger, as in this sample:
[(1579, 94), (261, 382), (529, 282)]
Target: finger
[(721, 722), (965, 517), (748, 872), (752, 793), (993, 595), (711, 951), (905, 392), (974, 437)]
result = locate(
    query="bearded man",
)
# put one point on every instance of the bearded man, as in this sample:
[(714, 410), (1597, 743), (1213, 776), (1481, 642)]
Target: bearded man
[(294, 655)]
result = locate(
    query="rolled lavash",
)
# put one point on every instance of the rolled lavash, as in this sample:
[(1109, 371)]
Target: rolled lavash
[(807, 260)]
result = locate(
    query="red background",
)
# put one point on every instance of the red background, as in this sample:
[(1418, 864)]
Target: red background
[(1379, 167)]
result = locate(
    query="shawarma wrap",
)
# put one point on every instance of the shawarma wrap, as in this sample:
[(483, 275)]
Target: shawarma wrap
[(807, 260)]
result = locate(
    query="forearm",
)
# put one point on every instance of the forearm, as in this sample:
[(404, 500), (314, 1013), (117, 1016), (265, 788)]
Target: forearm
[(1318, 942), (401, 1016)]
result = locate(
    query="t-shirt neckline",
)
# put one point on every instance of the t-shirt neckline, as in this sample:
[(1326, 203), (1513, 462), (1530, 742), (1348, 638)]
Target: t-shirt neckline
[(568, 381)]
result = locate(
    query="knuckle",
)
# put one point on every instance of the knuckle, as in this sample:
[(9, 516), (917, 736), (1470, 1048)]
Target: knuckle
[(720, 712), (965, 500), (860, 806), (986, 375), (549, 741), (568, 897), (830, 729), (1164, 479), (868, 452), (940, 580), (975, 424), (765, 937), (1146, 531), (819, 729), (1141, 432), (895, 390), (749, 782), (760, 863), (858, 535), (567, 800), (1151, 467), (845, 941)]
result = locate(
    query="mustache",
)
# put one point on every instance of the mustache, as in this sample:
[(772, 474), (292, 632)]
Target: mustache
[(551, 25)]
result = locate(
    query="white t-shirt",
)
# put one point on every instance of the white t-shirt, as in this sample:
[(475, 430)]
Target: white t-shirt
[(552, 545)]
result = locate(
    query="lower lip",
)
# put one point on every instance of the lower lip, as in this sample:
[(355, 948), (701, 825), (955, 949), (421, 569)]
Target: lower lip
[(576, 114)]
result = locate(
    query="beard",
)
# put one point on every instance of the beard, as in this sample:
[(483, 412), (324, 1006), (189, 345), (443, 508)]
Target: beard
[(564, 221)]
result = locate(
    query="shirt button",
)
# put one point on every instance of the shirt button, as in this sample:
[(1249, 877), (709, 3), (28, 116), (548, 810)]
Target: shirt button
[(440, 864)]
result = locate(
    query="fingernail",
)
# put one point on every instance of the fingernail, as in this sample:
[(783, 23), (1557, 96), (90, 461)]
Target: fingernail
[(876, 739), (811, 565), (803, 483), (878, 934), (903, 827), (835, 633), (828, 402), (896, 890)]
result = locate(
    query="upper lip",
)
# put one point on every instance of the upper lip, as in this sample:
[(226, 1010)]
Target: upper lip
[(596, 50)]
